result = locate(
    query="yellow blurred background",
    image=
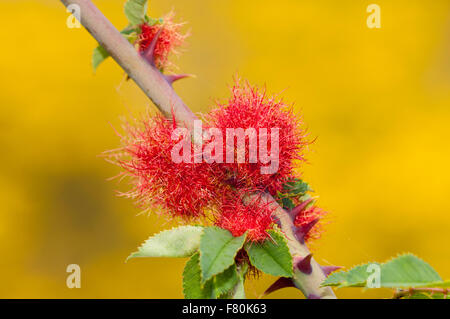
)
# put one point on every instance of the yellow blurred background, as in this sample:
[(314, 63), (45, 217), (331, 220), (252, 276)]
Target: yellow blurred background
[(378, 101)]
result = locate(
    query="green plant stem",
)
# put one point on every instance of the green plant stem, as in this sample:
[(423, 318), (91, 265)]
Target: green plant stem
[(411, 291), (156, 87)]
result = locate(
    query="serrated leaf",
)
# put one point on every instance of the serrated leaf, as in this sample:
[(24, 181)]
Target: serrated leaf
[(355, 277), (405, 271), (218, 248), (135, 11), (272, 256), (225, 281), (182, 241), (192, 286)]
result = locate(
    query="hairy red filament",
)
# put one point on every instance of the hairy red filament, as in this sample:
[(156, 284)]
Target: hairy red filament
[(168, 42), (255, 218), (250, 107)]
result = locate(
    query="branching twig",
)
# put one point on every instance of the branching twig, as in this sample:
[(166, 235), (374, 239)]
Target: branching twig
[(156, 87)]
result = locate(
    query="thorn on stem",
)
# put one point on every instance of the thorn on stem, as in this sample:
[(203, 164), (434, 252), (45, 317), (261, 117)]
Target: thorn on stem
[(329, 269), (303, 230), (175, 77), (149, 53), (296, 210), (304, 264), (280, 283)]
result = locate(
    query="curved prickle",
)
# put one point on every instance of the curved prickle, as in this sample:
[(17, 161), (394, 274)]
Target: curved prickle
[(149, 53), (296, 210), (329, 269), (280, 283), (175, 77), (303, 264), (303, 230)]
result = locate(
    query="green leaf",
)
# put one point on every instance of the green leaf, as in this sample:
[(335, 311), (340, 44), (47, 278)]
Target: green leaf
[(218, 248), (296, 187), (98, 56), (182, 241), (272, 256), (355, 277), (135, 11), (130, 34), (151, 21), (128, 31), (408, 271), (225, 281), (192, 286), (405, 271), (287, 203)]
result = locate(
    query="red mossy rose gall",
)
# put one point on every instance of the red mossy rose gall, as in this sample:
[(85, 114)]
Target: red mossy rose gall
[(310, 217), (190, 189), (169, 40), (250, 107), (254, 217), (182, 189)]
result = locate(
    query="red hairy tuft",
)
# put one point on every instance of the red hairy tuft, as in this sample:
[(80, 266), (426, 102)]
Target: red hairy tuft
[(306, 216), (237, 217), (190, 189), (168, 42), (183, 189), (251, 107)]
